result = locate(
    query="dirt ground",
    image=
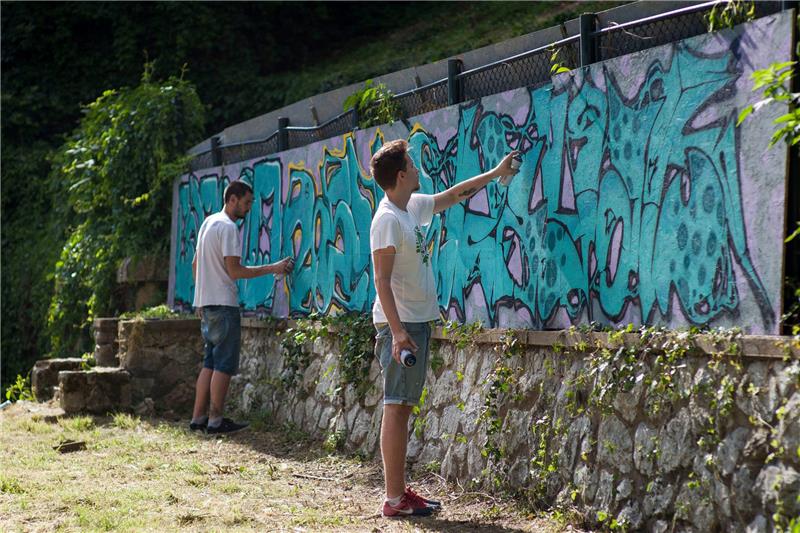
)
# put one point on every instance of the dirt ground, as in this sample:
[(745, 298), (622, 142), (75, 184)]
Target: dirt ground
[(154, 475)]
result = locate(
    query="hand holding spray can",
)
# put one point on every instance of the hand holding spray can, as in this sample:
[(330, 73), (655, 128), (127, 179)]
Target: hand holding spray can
[(280, 275), (516, 163), (407, 358)]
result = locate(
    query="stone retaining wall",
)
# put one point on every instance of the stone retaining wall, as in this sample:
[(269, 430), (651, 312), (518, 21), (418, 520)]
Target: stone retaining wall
[(720, 452), (163, 358)]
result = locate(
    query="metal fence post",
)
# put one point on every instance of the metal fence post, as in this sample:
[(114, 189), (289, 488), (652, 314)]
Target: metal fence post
[(588, 23), (792, 251), (354, 116), (455, 93), (216, 151), (283, 134)]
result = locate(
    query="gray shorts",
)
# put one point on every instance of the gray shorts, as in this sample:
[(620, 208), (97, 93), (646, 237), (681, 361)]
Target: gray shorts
[(221, 328), (403, 385)]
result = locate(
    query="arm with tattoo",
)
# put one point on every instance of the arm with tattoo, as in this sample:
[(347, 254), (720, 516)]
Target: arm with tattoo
[(467, 189)]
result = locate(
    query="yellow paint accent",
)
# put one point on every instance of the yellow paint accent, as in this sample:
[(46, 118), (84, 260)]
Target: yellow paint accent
[(300, 166), (417, 128)]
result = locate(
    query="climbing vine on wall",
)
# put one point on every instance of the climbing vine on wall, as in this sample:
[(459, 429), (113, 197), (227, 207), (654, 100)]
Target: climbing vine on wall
[(501, 389), (355, 337)]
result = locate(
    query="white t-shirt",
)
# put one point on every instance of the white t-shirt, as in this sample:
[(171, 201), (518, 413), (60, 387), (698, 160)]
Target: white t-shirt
[(412, 281), (218, 238)]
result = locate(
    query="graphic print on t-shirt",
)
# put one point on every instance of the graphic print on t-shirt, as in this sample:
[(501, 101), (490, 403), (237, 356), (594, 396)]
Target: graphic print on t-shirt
[(421, 248)]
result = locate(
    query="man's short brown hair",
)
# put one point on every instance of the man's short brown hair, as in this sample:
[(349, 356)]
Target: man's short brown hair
[(238, 188), (387, 162)]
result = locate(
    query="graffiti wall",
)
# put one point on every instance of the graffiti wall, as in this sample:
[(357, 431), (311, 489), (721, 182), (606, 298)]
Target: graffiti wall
[(639, 200)]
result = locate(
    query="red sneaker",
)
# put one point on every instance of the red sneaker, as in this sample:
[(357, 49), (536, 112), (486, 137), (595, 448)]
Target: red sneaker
[(406, 507), (420, 500)]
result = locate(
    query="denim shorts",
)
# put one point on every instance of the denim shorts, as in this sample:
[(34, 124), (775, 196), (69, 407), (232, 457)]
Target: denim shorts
[(222, 332), (403, 385)]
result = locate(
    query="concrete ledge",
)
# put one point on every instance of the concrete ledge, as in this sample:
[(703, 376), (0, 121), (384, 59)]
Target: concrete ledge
[(259, 323), (759, 346), (164, 324)]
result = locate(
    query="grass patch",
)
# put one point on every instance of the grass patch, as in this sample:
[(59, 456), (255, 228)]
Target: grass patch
[(138, 475), (261, 420), (231, 488), (10, 485), (35, 426), (126, 421), (77, 423)]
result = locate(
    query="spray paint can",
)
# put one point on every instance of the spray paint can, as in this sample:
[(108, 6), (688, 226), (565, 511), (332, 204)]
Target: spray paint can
[(407, 358), (516, 163)]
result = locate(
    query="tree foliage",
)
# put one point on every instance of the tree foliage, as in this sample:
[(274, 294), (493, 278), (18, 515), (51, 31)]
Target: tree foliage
[(115, 176)]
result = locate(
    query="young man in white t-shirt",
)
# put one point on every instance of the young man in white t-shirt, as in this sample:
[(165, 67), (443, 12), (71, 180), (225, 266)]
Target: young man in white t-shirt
[(406, 302), (216, 267)]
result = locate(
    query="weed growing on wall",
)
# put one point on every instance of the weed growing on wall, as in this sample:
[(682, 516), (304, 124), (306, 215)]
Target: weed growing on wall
[(462, 335), (158, 312), (296, 345), (773, 82), (501, 389), (374, 104), (558, 65), (356, 339), (357, 344), (661, 369), (730, 13)]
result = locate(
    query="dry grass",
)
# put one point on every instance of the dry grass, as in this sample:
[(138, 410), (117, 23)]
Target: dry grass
[(152, 475)]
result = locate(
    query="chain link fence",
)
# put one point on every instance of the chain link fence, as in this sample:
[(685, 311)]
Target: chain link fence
[(201, 161), (624, 39), (530, 69), (423, 99), (233, 153), (339, 125)]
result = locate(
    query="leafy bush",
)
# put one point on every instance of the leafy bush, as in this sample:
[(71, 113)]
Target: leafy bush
[(115, 175), (374, 104), (158, 312), (20, 389)]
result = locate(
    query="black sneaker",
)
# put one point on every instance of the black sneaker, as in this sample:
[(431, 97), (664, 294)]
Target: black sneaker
[(227, 426), (196, 427)]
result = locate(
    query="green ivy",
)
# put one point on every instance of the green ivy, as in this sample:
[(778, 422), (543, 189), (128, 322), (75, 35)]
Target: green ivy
[(462, 335), (357, 347), (501, 387), (356, 338), (296, 345)]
